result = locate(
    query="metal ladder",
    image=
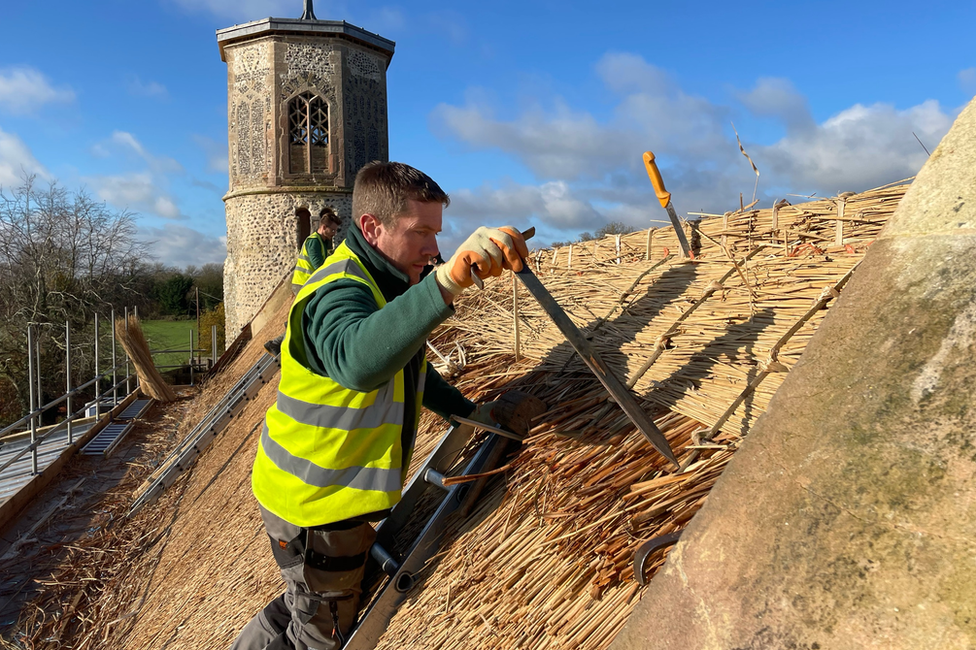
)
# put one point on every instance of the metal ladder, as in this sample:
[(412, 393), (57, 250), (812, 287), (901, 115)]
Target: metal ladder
[(213, 423), (402, 572), (108, 438)]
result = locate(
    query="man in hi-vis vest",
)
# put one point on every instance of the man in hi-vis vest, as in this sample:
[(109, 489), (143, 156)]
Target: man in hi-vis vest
[(336, 444), (316, 248)]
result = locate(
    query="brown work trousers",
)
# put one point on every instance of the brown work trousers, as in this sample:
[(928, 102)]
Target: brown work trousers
[(323, 572)]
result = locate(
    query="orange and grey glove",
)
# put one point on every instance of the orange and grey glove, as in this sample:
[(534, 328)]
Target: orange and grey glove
[(485, 253)]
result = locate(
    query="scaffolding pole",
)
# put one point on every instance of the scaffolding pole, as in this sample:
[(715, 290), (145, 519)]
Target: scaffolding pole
[(98, 378), (128, 375), (115, 366), (33, 398), (67, 380)]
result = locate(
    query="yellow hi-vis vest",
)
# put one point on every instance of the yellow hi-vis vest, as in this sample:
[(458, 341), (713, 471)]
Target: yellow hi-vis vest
[(303, 266), (329, 453)]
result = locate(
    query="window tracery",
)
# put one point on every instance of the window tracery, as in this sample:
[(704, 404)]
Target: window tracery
[(308, 134)]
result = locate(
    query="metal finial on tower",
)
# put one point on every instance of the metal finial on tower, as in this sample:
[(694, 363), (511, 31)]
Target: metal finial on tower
[(309, 13)]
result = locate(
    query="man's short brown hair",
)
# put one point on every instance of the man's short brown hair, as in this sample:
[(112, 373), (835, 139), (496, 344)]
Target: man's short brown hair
[(328, 214), (383, 189)]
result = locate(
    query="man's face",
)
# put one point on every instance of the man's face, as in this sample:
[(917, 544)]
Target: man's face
[(411, 243), (327, 229)]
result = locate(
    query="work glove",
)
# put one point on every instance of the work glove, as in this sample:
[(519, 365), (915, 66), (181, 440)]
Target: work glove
[(483, 413), (490, 250)]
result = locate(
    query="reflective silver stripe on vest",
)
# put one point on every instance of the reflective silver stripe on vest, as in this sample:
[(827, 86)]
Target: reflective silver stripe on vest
[(349, 267), (383, 411), (359, 478), (302, 269), (304, 258)]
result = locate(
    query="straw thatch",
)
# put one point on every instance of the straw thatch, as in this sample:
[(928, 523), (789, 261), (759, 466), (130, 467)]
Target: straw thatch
[(544, 559)]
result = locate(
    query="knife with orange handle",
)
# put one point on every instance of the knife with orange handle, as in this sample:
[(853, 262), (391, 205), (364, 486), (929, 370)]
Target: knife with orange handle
[(664, 197)]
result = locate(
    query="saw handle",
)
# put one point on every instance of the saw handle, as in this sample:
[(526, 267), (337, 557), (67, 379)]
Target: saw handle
[(654, 173)]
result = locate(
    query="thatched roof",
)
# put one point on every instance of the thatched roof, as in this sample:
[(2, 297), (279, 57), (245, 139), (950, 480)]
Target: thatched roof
[(544, 560)]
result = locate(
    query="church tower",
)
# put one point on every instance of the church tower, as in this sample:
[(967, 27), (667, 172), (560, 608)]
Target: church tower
[(307, 108)]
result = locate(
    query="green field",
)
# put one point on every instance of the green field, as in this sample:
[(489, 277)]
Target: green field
[(169, 335)]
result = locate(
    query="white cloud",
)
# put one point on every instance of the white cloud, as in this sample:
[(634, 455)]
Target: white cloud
[(24, 90), (178, 245), (563, 144), (128, 142), (858, 148), (451, 24), (623, 72), (778, 98), (967, 80), (136, 191), (248, 10), (594, 165), (216, 152), (138, 87), (16, 160), (553, 201), (144, 191), (554, 208), (652, 113), (658, 115), (165, 207)]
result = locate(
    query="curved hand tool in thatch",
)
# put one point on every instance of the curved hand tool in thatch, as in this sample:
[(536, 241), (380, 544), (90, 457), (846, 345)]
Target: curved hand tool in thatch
[(664, 197), (614, 386), (645, 550), (488, 427)]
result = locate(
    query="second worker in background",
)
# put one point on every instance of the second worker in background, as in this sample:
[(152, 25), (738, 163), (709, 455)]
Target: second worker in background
[(316, 248)]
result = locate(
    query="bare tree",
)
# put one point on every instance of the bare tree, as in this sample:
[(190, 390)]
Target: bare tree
[(63, 256), (614, 228)]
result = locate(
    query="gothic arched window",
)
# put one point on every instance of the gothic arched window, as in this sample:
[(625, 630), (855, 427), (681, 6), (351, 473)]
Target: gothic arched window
[(308, 134)]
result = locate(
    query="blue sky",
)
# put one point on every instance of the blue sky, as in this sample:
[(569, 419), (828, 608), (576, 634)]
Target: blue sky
[(528, 113)]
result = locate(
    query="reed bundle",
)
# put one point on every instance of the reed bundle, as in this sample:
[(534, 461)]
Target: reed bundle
[(129, 333)]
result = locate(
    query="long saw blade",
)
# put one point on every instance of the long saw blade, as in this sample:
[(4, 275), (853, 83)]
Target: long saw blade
[(614, 386), (679, 231)]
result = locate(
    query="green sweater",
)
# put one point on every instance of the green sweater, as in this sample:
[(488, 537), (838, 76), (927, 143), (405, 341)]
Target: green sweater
[(351, 340), (317, 247)]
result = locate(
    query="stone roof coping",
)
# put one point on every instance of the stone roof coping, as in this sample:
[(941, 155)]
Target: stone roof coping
[(338, 28)]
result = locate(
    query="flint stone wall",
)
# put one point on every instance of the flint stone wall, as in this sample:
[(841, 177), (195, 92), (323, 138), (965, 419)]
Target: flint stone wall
[(262, 244), (264, 74)]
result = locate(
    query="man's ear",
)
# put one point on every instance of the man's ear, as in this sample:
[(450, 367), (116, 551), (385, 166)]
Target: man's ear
[(370, 227)]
